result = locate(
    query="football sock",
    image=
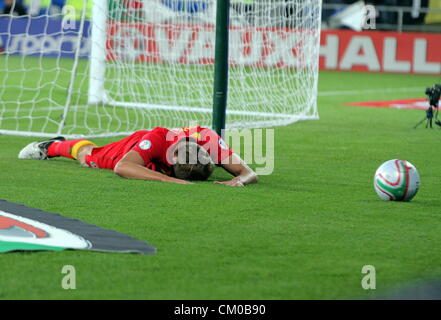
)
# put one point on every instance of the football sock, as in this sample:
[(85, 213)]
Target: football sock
[(68, 149)]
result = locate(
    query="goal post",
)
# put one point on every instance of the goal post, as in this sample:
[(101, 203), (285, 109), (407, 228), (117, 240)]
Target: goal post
[(96, 93), (220, 90), (139, 64)]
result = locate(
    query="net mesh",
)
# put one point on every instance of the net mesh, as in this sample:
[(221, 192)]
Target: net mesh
[(158, 67)]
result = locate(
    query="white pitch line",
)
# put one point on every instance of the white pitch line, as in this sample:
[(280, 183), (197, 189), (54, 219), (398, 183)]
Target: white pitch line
[(355, 92)]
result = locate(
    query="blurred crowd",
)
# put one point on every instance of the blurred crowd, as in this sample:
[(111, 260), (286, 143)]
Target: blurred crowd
[(37, 7), (391, 17)]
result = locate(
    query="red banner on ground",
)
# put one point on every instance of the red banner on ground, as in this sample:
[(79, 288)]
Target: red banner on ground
[(419, 104)]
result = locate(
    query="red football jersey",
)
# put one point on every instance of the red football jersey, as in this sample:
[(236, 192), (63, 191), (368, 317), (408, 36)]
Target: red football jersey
[(153, 145)]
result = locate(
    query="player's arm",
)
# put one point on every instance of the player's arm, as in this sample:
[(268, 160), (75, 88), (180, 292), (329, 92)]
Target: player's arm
[(243, 174), (132, 166)]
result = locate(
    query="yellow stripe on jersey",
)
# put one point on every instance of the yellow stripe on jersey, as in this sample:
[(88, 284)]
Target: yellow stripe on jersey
[(196, 135)]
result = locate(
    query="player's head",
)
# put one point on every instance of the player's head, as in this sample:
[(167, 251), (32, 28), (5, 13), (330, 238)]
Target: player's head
[(191, 161)]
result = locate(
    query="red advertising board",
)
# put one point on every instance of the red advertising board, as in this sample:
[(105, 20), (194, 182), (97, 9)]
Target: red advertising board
[(371, 51), (194, 44), (377, 51)]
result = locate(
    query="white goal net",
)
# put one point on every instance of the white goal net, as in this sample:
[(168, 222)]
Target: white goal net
[(139, 64)]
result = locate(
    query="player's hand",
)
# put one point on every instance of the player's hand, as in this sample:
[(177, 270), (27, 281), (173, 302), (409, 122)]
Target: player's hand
[(235, 182)]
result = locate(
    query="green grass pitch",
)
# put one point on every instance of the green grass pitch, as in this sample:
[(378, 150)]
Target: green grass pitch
[(304, 232)]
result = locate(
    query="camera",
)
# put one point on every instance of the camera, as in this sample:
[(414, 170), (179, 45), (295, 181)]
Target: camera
[(434, 95)]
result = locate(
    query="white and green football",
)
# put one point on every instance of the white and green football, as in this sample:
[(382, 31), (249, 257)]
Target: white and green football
[(396, 180)]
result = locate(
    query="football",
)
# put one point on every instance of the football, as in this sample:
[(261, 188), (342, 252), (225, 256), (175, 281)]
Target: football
[(396, 180)]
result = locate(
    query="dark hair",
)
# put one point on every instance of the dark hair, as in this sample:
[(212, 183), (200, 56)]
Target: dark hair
[(194, 162)]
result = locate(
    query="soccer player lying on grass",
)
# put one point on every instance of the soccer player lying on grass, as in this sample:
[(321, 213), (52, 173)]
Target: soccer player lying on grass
[(159, 154)]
